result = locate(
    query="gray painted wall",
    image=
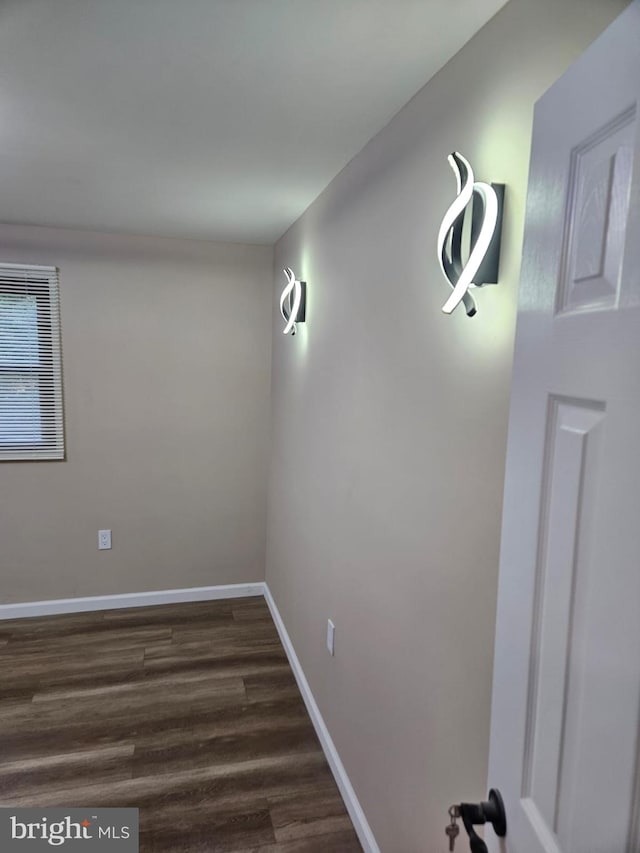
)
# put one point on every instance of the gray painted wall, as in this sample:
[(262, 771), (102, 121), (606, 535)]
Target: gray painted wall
[(389, 431), (166, 358)]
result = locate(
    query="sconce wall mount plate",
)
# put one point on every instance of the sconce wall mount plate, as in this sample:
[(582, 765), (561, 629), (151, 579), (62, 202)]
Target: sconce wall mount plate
[(293, 302), (482, 264)]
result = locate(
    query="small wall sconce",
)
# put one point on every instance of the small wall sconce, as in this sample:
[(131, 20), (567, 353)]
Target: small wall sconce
[(482, 263), (293, 302)]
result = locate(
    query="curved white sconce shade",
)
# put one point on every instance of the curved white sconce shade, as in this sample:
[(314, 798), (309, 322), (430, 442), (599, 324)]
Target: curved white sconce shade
[(292, 302), (486, 226)]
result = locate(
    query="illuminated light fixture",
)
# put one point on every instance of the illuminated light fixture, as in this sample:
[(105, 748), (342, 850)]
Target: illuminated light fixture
[(481, 266), (293, 301)]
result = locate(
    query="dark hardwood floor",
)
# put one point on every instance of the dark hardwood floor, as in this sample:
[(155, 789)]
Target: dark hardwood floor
[(188, 712)]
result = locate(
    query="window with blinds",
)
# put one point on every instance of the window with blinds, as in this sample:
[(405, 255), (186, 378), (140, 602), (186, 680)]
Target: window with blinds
[(31, 419)]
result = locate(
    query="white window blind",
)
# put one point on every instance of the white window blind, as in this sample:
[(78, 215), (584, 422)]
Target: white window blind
[(31, 419)]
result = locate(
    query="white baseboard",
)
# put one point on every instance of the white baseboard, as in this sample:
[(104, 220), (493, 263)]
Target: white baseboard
[(358, 818), (133, 599), (211, 593)]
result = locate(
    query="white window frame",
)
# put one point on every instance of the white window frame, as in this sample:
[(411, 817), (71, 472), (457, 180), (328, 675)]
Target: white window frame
[(43, 283)]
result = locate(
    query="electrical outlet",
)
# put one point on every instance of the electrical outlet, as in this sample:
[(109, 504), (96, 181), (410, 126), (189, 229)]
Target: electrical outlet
[(104, 540), (331, 630)]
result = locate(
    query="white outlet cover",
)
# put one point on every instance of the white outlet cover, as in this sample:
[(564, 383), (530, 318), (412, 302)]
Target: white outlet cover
[(331, 630), (104, 540)]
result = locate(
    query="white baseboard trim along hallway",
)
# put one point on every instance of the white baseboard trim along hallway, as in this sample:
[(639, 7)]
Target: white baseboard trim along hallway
[(129, 599), (211, 593), (357, 815)]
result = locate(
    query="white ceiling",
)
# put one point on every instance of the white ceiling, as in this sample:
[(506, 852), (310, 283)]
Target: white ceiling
[(214, 119)]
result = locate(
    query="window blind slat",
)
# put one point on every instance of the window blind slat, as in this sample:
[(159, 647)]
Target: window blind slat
[(31, 414)]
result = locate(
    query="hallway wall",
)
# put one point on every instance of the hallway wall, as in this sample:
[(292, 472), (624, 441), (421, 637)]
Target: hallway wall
[(389, 431)]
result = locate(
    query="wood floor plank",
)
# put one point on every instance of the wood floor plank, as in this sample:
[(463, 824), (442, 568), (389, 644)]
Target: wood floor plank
[(66, 664), (203, 646), (197, 613), (214, 661), (149, 688), (163, 758), (17, 690), (128, 710), (189, 712), (29, 776), (83, 641), (277, 776), (215, 834), (251, 612), (335, 842), (274, 685), (255, 630), (177, 725), (305, 816), (271, 717), (52, 626)]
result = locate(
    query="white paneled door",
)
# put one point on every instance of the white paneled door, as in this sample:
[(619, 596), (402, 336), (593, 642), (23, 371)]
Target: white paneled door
[(566, 699)]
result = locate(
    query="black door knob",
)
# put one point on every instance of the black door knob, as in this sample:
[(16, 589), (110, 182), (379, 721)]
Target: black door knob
[(475, 814)]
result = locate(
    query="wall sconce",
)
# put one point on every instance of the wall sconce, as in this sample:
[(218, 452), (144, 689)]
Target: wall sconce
[(482, 263), (293, 302)]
